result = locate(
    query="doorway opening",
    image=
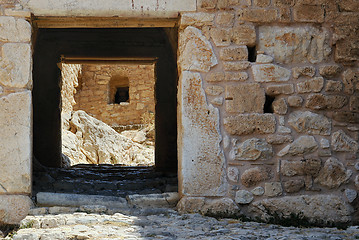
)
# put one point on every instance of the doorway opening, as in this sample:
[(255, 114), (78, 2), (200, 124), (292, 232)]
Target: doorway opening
[(117, 51)]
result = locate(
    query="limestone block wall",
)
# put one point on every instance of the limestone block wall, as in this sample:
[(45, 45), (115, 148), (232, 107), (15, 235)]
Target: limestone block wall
[(95, 93), (15, 114), (268, 117)]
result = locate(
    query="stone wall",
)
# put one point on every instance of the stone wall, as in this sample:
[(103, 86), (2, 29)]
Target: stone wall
[(95, 93), (269, 116)]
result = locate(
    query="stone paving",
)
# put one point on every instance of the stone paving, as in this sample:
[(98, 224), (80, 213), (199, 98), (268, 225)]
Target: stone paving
[(159, 223)]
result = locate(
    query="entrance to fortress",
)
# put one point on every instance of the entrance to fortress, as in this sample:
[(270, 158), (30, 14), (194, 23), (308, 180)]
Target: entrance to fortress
[(96, 47)]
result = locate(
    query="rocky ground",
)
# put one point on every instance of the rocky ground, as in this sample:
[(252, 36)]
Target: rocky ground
[(162, 224)]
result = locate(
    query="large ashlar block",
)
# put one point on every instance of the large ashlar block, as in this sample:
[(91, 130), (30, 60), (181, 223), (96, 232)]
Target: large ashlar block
[(15, 65), (121, 8), (245, 98), (15, 143), (13, 208), (14, 30), (295, 44), (255, 123), (202, 165)]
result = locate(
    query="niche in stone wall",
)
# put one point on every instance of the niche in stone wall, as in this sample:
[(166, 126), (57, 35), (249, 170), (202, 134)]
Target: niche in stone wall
[(119, 90)]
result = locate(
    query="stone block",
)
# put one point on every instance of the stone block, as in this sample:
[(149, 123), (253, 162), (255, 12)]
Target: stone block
[(200, 139), (261, 3), (244, 124), (225, 19), (196, 51), (278, 89), (214, 90), (280, 106), (14, 30), (270, 73), (16, 147), (278, 139), (308, 71), (236, 76), (238, 53), (207, 4), (224, 207), (15, 65), (311, 85), (280, 3), (273, 189), (217, 101), (293, 186), (245, 98), (354, 103), (301, 146), (215, 77), (233, 174), (163, 200), (292, 168), (295, 44), (253, 176), (258, 191), (262, 58), (236, 65), (310, 123), (333, 174), (343, 143), (330, 70), (320, 101), (259, 15), (190, 204), (346, 117), (350, 80), (244, 34), (295, 101), (243, 197), (316, 208), (333, 86), (251, 150), (221, 37), (13, 208), (351, 195), (197, 19), (309, 13), (285, 15)]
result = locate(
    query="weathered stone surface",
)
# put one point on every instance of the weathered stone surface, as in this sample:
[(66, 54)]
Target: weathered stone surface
[(292, 168), (280, 106), (15, 147), (258, 191), (309, 13), (278, 139), (312, 166), (293, 186), (236, 65), (214, 90), (302, 145), (284, 130), (348, 117), (251, 150), (308, 71), (333, 86), (315, 208), (15, 65), (258, 15), (190, 204), (221, 37), (333, 174), (294, 44), (207, 4), (253, 176), (243, 197), (196, 53), (310, 123), (295, 101), (203, 162), (123, 8), (215, 77), (262, 58), (225, 19), (270, 73), (343, 143), (350, 80), (245, 98), (273, 189), (236, 76), (13, 208), (354, 103), (163, 200), (330, 70), (244, 34), (278, 89), (244, 124), (238, 53), (217, 101), (197, 19), (350, 194), (311, 85), (262, 3), (14, 30), (320, 101), (233, 174), (324, 143), (224, 207)]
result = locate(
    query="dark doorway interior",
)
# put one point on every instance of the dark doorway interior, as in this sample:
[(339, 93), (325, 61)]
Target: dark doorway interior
[(51, 44)]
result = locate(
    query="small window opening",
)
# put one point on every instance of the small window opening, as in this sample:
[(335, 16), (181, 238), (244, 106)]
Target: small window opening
[(252, 54), (122, 95), (268, 108)]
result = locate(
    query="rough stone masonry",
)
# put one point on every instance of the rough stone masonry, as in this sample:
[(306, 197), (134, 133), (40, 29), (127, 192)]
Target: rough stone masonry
[(268, 103)]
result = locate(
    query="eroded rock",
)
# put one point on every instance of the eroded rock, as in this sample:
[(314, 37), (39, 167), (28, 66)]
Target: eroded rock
[(270, 73), (310, 123), (245, 98), (333, 174), (343, 143), (224, 207), (302, 145), (244, 124), (244, 197), (251, 150), (254, 175)]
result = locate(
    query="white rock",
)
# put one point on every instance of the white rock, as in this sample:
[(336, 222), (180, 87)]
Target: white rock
[(14, 30), (244, 197), (258, 191), (351, 195), (233, 174), (270, 73), (262, 58), (302, 145)]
